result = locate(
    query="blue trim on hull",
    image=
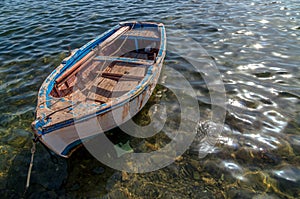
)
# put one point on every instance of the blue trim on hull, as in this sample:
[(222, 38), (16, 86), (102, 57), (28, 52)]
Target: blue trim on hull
[(71, 146)]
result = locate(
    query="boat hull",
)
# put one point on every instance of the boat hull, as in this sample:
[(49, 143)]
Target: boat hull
[(63, 123)]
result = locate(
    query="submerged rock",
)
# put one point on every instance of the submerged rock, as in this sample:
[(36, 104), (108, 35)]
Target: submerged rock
[(5, 193), (45, 173), (98, 170)]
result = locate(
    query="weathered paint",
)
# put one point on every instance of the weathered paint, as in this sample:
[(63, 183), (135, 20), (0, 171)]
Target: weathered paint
[(128, 104), (125, 111)]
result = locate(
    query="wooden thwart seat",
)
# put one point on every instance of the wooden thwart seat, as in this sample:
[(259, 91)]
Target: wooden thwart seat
[(101, 91), (109, 89), (124, 59), (142, 34)]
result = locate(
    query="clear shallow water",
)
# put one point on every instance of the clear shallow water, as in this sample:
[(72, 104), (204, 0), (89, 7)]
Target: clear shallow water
[(255, 46)]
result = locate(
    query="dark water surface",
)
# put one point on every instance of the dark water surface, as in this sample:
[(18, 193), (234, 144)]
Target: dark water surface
[(255, 46)]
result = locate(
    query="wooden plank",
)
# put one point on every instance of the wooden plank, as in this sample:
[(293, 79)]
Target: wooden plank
[(75, 68), (118, 76), (125, 86), (104, 88), (107, 84), (102, 92), (126, 59), (97, 98), (56, 90), (78, 96), (143, 33), (122, 88), (123, 68)]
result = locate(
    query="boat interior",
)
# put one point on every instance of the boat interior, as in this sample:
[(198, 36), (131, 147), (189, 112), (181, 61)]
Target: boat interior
[(111, 69)]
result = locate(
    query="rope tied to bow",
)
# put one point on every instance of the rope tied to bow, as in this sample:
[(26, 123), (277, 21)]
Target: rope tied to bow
[(33, 150)]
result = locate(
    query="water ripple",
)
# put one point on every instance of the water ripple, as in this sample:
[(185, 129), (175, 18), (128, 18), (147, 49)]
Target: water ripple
[(255, 45)]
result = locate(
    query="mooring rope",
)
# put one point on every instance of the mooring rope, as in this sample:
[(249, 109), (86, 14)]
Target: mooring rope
[(33, 150)]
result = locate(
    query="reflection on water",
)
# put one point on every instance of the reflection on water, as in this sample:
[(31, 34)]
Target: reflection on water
[(254, 44)]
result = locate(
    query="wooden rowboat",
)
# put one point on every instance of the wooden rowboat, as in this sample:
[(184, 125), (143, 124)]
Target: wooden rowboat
[(114, 73)]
